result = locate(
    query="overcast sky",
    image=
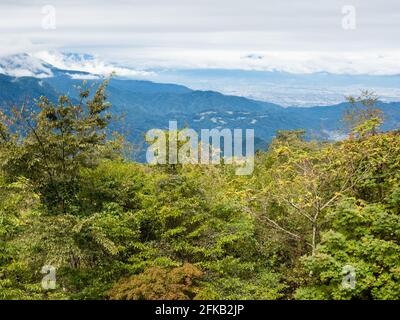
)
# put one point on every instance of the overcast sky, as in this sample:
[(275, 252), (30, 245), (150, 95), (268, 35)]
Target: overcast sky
[(297, 36)]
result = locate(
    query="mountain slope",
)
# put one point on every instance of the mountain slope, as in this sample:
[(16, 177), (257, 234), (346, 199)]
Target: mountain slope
[(146, 105), (24, 89)]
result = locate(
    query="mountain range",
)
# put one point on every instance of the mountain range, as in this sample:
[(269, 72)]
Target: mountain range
[(145, 105)]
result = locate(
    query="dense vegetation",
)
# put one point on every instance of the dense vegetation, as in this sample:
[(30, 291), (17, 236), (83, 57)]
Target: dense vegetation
[(116, 229)]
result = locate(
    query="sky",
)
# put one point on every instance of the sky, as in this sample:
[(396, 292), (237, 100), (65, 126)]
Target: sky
[(337, 36)]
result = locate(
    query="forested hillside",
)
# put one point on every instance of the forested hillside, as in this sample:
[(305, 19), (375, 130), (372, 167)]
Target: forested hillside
[(145, 105), (115, 229)]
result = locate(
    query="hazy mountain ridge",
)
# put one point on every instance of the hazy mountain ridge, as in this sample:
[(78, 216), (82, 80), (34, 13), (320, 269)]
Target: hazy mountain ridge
[(146, 105)]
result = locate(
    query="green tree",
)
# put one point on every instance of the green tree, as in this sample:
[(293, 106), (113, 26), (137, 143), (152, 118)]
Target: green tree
[(365, 237), (50, 143), (363, 117)]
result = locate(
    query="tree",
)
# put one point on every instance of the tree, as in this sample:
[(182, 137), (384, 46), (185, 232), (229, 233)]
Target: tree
[(305, 179), (157, 283), (363, 117), (364, 239), (48, 148), (50, 143)]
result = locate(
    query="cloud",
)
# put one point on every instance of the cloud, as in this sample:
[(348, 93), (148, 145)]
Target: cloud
[(347, 62), (77, 76), (290, 35), (23, 65), (88, 63)]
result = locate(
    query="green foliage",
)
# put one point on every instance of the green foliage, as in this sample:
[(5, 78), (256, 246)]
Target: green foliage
[(115, 229), (365, 236), (363, 117), (56, 140)]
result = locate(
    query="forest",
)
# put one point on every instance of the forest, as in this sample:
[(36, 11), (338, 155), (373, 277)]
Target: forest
[(316, 219)]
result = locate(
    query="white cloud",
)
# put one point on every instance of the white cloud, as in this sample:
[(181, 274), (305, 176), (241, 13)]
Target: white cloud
[(298, 36), (23, 65), (87, 63), (78, 76), (346, 62)]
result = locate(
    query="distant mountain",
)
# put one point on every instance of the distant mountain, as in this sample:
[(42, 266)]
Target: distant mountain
[(25, 65), (90, 64), (145, 105), (20, 90), (287, 89)]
